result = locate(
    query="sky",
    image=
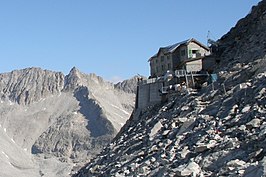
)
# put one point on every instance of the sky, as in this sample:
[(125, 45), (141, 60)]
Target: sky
[(112, 38)]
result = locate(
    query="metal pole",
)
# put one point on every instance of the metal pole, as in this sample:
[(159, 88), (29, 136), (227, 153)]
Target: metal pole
[(186, 79), (193, 83)]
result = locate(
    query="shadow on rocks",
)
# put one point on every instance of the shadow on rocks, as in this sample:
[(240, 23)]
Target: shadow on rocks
[(98, 124)]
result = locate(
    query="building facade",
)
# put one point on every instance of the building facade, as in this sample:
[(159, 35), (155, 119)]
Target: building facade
[(185, 55)]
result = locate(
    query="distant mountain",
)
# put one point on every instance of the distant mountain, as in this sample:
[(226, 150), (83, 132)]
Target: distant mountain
[(129, 85), (56, 123), (220, 132)]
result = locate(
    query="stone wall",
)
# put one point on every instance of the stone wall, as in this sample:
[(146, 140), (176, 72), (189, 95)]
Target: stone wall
[(148, 94)]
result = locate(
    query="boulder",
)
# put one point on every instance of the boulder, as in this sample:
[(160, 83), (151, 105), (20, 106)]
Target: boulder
[(255, 123), (192, 169)]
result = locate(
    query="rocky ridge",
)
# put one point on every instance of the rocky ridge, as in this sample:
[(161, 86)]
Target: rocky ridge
[(218, 132), (62, 120), (244, 42), (129, 85), (30, 85)]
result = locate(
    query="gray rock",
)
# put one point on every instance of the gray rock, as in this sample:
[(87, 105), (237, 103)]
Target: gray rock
[(192, 169), (254, 123)]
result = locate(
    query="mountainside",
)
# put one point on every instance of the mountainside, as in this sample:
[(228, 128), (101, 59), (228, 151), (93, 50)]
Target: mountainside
[(56, 123), (220, 132), (246, 41)]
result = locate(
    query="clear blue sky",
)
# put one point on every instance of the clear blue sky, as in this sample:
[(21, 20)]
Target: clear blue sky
[(112, 38)]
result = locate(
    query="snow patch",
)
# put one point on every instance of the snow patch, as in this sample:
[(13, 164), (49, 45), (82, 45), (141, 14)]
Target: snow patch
[(11, 164), (5, 154), (115, 106), (125, 112), (13, 140), (43, 99), (119, 115)]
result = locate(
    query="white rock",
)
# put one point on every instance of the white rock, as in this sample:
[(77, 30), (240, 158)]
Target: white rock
[(184, 108), (183, 154), (155, 129), (154, 148), (182, 119), (166, 132), (242, 127), (174, 125), (246, 109), (153, 159), (255, 123), (192, 169), (201, 147), (236, 163)]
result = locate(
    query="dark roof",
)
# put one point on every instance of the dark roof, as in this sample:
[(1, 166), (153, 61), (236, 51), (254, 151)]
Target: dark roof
[(172, 48)]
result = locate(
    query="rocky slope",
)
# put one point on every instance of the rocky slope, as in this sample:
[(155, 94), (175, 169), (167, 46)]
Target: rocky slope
[(204, 132), (246, 41), (56, 123)]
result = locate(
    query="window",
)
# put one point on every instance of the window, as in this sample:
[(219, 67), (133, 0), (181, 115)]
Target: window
[(194, 51), (168, 57), (156, 61), (162, 58), (162, 67), (169, 66), (183, 53)]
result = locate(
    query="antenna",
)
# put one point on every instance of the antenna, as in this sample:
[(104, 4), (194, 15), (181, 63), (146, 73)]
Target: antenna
[(208, 37), (210, 41)]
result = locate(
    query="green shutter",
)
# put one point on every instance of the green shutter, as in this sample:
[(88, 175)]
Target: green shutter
[(189, 53)]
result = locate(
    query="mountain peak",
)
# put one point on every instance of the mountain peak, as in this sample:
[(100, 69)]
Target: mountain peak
[(74, 70), (72, 80), (30, 84)]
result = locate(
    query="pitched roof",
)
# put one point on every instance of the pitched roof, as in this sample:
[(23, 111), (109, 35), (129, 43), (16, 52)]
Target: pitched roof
[(172, 48)]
